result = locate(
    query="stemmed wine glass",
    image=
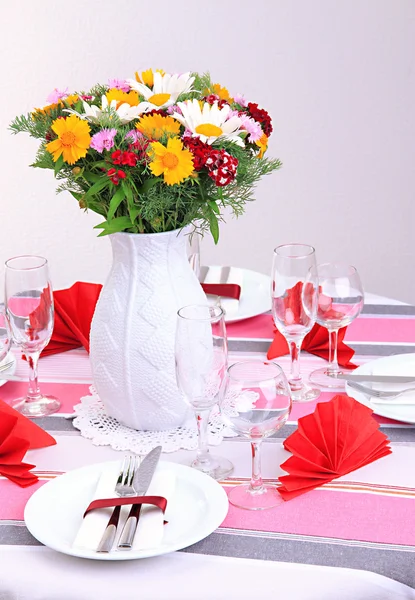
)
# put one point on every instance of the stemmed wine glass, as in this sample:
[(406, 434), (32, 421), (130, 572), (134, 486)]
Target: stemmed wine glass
[(201, 352), (340, 301), (30, 314), (290, 268), (255, 403)]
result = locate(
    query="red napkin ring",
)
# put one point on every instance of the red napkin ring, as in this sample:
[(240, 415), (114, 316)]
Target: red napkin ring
[(227, 290), (158, 501)]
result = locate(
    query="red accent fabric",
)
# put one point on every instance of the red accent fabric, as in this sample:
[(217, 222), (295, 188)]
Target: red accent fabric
[(226, 290), (16, 437), (158, 501), (339, 437)]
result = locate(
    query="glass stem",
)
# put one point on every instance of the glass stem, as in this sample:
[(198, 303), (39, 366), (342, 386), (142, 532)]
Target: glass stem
[(33, 393), (202, 419), (256, 478), (333, 366), (295, 377)]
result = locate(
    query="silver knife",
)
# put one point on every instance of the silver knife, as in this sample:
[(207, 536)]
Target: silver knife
[(141, 481), (376, 378)]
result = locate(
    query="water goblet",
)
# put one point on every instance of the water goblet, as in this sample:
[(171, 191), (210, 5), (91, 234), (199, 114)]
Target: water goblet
[(255, 403), (201, 354), (294, 307), (30, 316), (340, 301)]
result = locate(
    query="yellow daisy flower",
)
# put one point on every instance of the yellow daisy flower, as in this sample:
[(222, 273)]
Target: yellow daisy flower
[(155, 126), (222, 92), (121, 97), (174, 162), (73, 139), (263, 145), (147, 77)]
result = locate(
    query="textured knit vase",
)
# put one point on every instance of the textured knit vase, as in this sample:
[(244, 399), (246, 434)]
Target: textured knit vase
[(133, 329)]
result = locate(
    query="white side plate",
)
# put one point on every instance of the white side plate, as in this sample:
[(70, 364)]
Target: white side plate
[(400, 364), (54, 513)]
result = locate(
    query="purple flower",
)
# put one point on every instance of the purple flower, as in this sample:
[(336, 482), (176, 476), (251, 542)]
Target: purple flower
[(252, 127), (103, 140), (56, 95), (119, 84), (240, 100), (134, 135), (174, 108)]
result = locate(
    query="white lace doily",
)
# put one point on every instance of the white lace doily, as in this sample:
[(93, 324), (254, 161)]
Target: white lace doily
[(94, 424)]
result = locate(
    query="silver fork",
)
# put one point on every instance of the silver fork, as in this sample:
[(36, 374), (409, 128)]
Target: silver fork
[(381, 394), (123, 488)]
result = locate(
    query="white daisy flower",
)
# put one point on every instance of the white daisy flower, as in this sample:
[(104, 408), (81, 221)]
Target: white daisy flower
[(165, 91), (209, 122), (95, 114)]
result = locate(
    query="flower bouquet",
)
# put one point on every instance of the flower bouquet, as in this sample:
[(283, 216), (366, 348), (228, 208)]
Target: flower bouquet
[(154, 153)]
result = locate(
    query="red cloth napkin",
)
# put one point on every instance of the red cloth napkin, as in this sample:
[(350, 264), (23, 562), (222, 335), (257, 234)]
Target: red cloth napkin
[(17, 435), (339, 437), (317, 340), (74, 309)]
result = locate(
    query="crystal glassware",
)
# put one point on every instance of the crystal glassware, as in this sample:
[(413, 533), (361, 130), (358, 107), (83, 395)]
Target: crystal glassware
[(255, 403), (5, 341), (29, 312), (201, 354), (340, 301), (294, 307)]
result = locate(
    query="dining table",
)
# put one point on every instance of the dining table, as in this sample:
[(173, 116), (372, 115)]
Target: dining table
[(353, 537)]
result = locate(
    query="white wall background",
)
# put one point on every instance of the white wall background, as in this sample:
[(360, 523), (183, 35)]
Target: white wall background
[(337, 77)]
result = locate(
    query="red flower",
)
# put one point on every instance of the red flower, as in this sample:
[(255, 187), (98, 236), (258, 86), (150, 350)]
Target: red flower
[(199, 149), (115, 175), (215, 98), (260, 115), (124, 158), (116, 157), (222, 167)]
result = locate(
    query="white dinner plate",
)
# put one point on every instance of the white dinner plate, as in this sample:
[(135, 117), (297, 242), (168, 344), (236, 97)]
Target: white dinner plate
[(10, 370), (53, 514), (255, 296), (400, 364)]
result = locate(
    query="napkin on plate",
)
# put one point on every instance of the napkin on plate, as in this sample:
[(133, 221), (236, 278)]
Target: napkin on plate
[(339, 437), (316, 341), (74, 309), (225, 282), (17, 435), (150, 528)]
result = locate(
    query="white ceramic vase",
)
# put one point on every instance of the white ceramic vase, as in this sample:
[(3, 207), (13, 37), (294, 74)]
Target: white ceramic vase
[(133, 329)]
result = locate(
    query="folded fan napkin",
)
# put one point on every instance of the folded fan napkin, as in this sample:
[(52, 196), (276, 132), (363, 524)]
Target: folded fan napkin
[(17, 435), (150, 529), (74, 309), (225, 282), (339, 437), (317, 340)]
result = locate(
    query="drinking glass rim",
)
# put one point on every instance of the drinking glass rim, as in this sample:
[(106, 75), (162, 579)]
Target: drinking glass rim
[(311, 250), (220, 314), (337, 263), (254, 362), (42, 258)]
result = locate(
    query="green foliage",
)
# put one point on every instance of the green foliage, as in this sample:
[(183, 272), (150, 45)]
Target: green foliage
[(130, 197)]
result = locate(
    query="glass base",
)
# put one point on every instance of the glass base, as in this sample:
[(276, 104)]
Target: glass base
[(217, 467), (242, 497), (321, 378), (305, 394), (41, 407)]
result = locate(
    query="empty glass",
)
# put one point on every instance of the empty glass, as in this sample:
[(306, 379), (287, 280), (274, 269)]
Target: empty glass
[(201, 361), (290, 268), (255, 403), (29, 311), (340, 300)]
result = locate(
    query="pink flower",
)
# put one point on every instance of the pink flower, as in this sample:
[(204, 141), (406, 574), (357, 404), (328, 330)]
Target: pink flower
[(252, 127), (119, 84), (56, 95), (240, 100), (134, 136), (103, 140), (173, 109)]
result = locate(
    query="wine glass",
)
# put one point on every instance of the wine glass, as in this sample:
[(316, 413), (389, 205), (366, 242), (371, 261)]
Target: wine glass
[(290, 268), (5, 341), (255, 403), (29, 312), (340, 300), (201, 352)]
